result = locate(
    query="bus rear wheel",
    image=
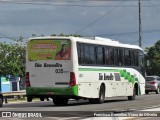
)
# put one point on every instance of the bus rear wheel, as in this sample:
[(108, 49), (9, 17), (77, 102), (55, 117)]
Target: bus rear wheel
[(101, 97), (41, 98), (29, 99), (158, 90), (133, 97), (60, 101)]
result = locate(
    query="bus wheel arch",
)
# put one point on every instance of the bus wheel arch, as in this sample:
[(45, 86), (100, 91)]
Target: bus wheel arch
[(135, 92), (101, 96), (158, 90), (136, 87), (41, 98), (104, 87)]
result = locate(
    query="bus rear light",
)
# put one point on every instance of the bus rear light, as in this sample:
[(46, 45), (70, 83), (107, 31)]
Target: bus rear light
[(27, 80), (72, 79)]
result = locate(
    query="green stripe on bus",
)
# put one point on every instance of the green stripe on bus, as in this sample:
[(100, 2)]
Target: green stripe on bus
[(130, 78), (95, 69), (52, 91), (123, 73)]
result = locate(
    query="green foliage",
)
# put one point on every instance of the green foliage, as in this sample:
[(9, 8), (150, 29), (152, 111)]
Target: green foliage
[(12, 60), (153, 55)]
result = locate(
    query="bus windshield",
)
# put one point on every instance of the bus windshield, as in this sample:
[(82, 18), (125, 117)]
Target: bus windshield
[(39, 49)]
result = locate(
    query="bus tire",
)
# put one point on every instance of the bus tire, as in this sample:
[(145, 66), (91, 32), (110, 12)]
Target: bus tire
[(146, 92), (133, 97), (41, 98), (101, 98), (92, 101), (158, 90), (60, 101), (29, 99)]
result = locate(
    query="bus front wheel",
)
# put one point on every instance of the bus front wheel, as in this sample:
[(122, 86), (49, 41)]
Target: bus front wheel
[(158, 90)]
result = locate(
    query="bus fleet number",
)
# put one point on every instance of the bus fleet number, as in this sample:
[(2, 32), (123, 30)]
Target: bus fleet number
[(59, 71)]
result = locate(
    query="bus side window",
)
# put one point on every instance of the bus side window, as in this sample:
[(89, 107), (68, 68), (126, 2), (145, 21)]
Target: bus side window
[(121, 57), (80, 49), (86, 54), (111, 56), (116, 54), (127, 57), (132, 58), (136, 58), (79, 53), (141, 63), (107, 56), (100, 55), (92, 55)]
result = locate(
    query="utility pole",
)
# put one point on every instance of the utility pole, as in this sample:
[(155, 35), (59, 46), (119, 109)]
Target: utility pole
[(140, 25)]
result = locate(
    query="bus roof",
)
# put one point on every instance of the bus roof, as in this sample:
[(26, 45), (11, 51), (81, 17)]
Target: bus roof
[(93, 40)]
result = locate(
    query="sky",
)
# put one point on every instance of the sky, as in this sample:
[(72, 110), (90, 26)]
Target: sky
[(115, 19)]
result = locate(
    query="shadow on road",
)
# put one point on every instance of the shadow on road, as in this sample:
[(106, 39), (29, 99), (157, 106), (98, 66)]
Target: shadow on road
[(50, 103)]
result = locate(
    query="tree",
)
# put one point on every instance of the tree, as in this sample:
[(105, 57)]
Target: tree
[(12, 60), (153, 55)]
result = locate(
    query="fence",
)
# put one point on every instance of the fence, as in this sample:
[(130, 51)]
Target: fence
[(12, 94)]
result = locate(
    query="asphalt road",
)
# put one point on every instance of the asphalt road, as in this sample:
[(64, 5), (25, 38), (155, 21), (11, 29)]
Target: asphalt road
[(81, 108)]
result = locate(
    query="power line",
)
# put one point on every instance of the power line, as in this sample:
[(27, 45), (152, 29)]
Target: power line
[(126, 33), (8, 37), (73, 5), (154, 6), (70, 0), (99, 18), (107, 35), (15, 39), (118, 0)]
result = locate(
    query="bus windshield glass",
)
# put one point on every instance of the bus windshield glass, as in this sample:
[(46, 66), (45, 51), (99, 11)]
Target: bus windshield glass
[(39, 49)]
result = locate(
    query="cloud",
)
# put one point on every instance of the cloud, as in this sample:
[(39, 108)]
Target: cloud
[(66, 17)]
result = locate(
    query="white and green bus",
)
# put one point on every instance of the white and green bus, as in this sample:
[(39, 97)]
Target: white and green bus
[(64, 68)]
